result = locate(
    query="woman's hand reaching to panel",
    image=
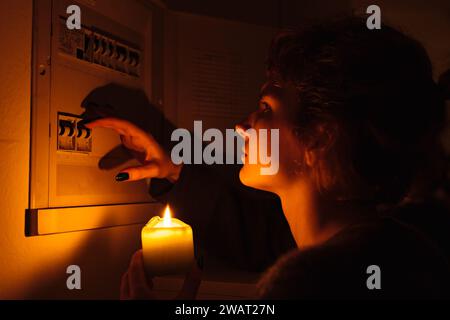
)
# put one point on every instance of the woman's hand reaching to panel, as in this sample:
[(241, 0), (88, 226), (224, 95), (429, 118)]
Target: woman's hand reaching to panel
[(156, 163)]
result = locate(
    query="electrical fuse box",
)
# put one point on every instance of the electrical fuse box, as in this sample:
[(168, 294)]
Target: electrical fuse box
[(69, 189)]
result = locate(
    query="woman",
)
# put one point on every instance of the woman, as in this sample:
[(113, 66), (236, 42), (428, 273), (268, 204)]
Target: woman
[(359, 115)]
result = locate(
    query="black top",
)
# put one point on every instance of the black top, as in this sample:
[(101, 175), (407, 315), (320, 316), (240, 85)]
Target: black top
[(410, 266), (246, 228)]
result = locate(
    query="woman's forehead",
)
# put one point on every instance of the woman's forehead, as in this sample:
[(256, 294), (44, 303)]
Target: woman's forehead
[(285, 93), (271, 88)]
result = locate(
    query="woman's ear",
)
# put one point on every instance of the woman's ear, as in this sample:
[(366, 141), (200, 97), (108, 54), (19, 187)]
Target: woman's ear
[(320, 141), (310, 158)]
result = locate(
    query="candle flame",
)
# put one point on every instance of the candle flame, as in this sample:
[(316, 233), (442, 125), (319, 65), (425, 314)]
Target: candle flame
[(167, 219)]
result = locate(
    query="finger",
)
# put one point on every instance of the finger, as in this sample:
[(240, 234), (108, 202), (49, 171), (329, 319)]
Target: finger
[(137, 278), (125, 128), (151, 170), (124, 287), (191, 284), (141, 141), (119, 125)]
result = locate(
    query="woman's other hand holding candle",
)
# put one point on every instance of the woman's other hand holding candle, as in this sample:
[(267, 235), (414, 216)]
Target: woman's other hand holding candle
[(136, 285), (156, 163)]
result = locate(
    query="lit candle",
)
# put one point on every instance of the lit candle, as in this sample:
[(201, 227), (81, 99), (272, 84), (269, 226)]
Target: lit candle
[(167, 245)]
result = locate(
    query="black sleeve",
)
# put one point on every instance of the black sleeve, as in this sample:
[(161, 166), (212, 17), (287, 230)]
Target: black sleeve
[(409, 266), (240, 225), (319, 273)]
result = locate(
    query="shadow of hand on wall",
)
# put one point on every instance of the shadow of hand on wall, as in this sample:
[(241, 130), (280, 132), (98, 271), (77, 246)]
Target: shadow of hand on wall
[(103, 254), (131, 104)]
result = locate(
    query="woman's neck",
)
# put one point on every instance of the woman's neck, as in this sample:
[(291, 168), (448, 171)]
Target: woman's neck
[(311, 221)]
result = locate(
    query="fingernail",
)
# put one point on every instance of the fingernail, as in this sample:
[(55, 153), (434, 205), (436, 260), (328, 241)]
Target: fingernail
[(200, 262), (123, 176)]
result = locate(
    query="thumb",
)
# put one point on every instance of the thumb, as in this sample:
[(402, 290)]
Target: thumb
[(150, 170), (191, 282)]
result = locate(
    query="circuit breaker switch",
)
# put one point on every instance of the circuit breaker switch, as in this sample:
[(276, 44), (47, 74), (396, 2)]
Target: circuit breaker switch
[(73, 136), (82, 131), (66, 128)]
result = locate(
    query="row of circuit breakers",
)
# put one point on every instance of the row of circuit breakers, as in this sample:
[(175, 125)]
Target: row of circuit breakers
[(99, 48), (92, 46)]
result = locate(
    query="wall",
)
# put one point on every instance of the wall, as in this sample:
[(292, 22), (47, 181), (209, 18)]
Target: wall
[(428, 21), (271, 13), (425, 21), (35, 267)]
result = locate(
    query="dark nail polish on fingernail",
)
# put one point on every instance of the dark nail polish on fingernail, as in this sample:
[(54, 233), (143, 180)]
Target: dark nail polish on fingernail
[(123, 176), (200, 262)]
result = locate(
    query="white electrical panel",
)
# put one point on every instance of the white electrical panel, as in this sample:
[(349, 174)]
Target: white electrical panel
[(114, 45)]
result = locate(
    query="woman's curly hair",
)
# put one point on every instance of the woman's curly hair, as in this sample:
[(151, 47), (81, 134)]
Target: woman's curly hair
[(377, 88)]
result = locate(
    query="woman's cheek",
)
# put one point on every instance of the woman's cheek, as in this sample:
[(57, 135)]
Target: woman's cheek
[(262, 171), (291, 154)]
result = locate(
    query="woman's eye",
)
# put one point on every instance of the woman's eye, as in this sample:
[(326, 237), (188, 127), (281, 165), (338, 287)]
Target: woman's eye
[(265, 107)]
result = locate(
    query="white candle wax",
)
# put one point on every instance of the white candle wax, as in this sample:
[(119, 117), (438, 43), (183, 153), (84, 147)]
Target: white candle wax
[(167, 246)]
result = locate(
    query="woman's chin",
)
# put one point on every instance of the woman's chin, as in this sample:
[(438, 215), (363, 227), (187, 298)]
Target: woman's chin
[(250, 176), (247, 176)]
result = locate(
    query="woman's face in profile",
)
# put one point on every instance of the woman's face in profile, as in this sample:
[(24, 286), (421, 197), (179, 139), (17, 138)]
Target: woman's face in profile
[(275, 111)]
